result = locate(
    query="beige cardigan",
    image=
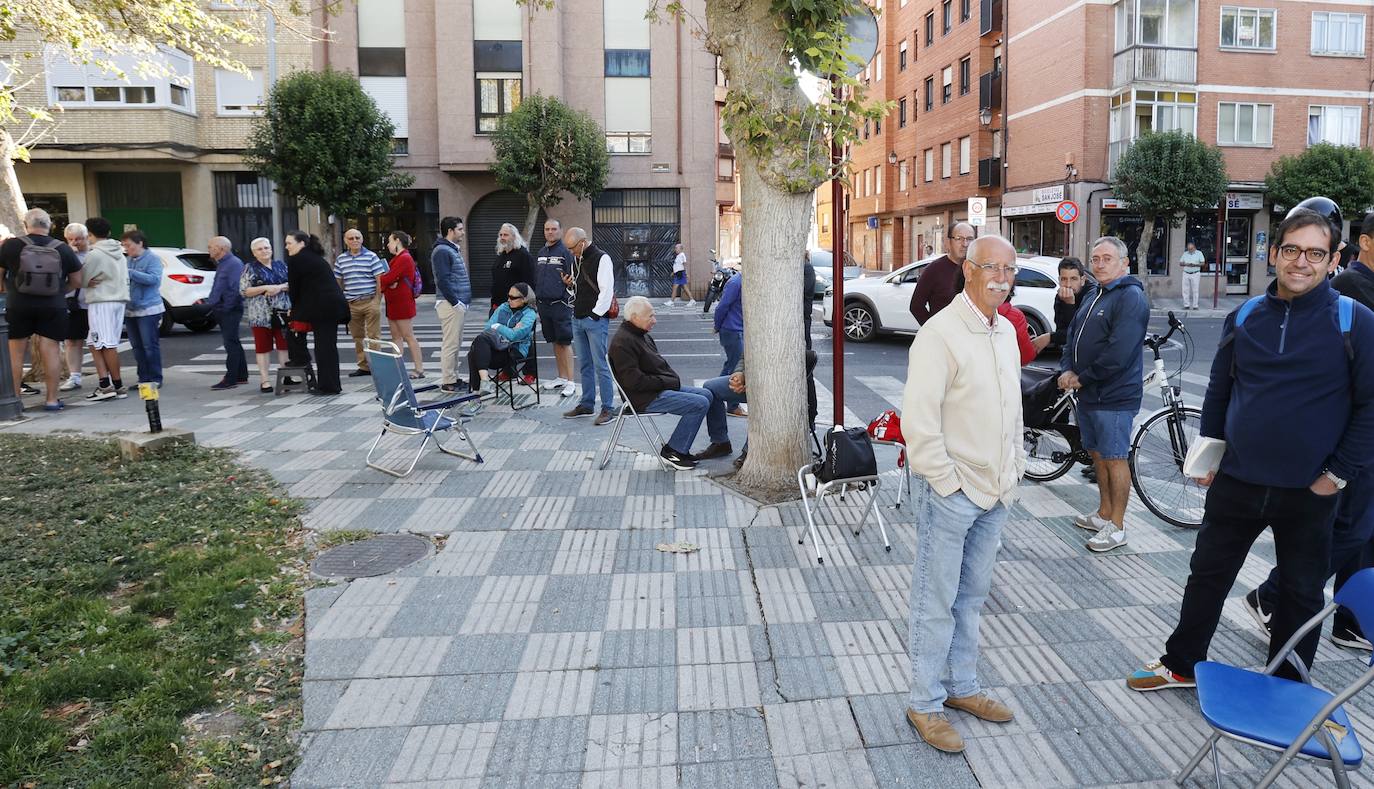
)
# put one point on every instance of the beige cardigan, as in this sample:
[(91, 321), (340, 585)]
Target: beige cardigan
[(961, 410)]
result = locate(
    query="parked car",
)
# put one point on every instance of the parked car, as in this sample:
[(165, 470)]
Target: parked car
[(187, 276), (823, 262), (882, 305)]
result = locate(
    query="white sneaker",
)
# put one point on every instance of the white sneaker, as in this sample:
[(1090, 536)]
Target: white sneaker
[(70, 385), (1092, 522), (554, 384), (669, 303), (692, 303), (569, 389), (1108, 538)]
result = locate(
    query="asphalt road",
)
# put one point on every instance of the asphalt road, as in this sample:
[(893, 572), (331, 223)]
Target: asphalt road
[(875, 372)]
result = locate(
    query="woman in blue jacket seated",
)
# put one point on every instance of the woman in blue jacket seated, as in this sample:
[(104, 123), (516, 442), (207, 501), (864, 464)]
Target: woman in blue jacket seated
[(506, 337)]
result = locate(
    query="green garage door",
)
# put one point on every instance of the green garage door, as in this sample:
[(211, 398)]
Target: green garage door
[(150, 202)]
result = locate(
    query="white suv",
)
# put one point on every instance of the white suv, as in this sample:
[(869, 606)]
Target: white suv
[(187, 276)]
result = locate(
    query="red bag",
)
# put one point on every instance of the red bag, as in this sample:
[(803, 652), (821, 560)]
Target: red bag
[(888, 427)]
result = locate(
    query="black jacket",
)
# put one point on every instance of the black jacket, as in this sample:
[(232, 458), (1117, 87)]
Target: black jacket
[(639, 367), (1357, 282), (510, 268), (1063, 313), (315, 293)]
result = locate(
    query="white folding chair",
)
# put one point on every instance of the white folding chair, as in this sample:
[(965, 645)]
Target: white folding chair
[(904, 487), (812, 501), (652, 437)]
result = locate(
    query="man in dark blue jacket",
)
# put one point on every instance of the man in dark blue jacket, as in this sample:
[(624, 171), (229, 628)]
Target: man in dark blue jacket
[(226, 304), (1294, 402), (1102, 362), (452, 295)]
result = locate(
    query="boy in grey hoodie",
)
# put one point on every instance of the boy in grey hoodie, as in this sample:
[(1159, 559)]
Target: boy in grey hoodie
[(105, 284)]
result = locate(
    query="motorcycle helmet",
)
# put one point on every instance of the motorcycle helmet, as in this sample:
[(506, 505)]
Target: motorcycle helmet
[(1327, 208)]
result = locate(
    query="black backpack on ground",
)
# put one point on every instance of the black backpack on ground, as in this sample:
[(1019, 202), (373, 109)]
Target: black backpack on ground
[(848, 454), (40, 269)]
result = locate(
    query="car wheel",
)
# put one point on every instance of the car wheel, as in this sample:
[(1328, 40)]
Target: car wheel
[(859, 323), (1037, 326), (203, 325), (164, 327)]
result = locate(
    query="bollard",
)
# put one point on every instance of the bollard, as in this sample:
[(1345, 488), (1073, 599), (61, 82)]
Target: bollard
[(149, 393)]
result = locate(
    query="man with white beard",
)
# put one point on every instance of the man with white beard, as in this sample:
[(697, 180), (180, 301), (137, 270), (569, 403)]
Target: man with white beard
[(961, 417)]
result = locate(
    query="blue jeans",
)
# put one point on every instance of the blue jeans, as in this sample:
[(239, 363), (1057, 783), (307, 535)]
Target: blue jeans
[(956, 551), (591, 339), (733, 344), (235, 364), (693, 404), (720, 388), (147, 346)]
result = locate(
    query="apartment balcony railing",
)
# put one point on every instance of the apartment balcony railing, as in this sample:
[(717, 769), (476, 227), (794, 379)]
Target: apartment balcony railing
[(1154, 64), (989, 16), (990, 91), (989, 173)]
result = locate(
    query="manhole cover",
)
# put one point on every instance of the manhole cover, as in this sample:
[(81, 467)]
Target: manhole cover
[(375, 556)]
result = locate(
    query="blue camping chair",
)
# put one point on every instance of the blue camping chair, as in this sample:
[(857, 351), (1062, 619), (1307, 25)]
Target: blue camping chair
[(1296, 718), (404, 414)]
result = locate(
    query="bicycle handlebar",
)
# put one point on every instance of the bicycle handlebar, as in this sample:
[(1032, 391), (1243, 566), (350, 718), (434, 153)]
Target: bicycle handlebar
[(1154, 341)]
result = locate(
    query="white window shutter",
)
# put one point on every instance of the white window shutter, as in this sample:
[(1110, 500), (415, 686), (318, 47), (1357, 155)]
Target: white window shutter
[(390, 95)]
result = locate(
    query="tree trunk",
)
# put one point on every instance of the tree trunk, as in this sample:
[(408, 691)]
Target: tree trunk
[(775, 193), (530, 219), (1142, 246), (12, 205)]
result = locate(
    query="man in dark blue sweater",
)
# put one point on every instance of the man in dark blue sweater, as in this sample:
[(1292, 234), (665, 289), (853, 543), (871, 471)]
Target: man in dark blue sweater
[(226, 304), (1295, 404)]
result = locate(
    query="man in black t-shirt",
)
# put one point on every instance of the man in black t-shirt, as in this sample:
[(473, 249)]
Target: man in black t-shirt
[(28, 314)]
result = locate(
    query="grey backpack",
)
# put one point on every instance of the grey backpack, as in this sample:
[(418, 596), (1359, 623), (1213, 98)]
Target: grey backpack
[(40, 270)]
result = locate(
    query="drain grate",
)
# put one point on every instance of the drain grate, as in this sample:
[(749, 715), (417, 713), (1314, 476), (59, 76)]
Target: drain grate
[(374, 556)]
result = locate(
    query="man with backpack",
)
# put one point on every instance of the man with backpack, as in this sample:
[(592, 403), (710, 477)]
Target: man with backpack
[(39, 269), (1292, 395)]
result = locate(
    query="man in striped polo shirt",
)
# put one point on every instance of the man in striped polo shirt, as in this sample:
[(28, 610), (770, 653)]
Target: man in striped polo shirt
[(359, 272)]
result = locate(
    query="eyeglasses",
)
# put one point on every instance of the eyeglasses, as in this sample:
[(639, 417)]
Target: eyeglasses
[(1103, 259), (514, 297), (993, 268), (965, 239), (1315, 255)]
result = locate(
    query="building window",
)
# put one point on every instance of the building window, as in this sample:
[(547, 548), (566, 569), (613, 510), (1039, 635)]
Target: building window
[(878, 126), (75, 85), (236, 94), (965, 10), (1247, 28), (930, 165), (627, 62), (901, 56), (878, 66), (1338, 125), (868, 182), (947, 82), (1244, 124), (964, 154), (902, 175), (1151, 110), (901, 113), (497, 95), (381, 70), (946, 159), (930, 28), (725, 168), (627, 115), (868, 127), (1337, 34), (1160, 23), (946, 17), (965, 76), (930, 93), (878, 180)]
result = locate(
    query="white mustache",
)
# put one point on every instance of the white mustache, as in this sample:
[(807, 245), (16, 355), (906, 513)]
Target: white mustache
[(1002, 287)]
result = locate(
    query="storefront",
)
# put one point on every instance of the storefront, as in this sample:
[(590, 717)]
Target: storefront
[(1247, 242), (1033, 229), (1128, 226)]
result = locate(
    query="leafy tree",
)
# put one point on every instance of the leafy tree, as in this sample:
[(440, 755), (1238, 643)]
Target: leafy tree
[(782, 145), (89, 32), (324, 142), (545, 148), (1343, 173), (1164, 175)]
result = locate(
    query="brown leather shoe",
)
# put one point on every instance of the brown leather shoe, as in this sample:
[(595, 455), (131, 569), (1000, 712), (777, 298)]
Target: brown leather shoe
[(981, 705), (936, 730), (603, 418)]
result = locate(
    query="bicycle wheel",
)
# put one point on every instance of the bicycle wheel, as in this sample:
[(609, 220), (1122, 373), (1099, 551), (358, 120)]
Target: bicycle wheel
[(1156, 461), (1048, 454)]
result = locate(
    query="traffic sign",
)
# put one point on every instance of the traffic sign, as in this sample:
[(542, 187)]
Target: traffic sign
[(977, 211), (1066, 212)]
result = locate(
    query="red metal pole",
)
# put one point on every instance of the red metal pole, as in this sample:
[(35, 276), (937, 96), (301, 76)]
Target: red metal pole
[(1220, 250), (837, 276)]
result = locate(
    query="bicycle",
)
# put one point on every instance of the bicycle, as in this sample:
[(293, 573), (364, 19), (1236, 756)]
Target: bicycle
[(1158, 447)]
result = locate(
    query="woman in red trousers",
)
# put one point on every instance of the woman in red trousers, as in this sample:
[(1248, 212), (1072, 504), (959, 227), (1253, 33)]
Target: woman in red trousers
[(400, 298)]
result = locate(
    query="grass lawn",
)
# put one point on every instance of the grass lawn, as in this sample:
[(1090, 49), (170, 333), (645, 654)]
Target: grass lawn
[(150, 618)]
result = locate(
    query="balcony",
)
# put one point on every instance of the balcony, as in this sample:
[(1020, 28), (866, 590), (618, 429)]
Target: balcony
[(990, 91), (1114, 153), (989, 17), (1154, 64), (989, 173)]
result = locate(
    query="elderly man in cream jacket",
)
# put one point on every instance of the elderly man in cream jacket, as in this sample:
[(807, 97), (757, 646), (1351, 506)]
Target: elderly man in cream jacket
[(961, 416)]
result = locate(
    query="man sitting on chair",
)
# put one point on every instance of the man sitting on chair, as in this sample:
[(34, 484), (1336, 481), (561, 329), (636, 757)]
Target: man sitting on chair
[(652, 386)]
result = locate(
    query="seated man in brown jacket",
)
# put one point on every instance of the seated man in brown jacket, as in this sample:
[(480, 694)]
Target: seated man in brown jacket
[(653, 386)]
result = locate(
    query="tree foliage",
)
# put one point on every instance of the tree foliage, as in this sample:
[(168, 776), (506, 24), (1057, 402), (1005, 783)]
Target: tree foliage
[(1164, 174), (325, 142), (1343, 173), (545, 148)]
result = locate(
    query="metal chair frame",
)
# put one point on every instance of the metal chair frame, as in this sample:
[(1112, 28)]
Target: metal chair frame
[(644, 420), (904, 486), (513, 371), (839, 486), (400, 404)]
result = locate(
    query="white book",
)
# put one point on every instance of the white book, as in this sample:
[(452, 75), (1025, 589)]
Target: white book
[(1204, 457)]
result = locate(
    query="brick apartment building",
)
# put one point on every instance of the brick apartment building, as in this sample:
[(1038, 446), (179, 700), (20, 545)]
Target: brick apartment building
[(446, 72), (1083, 79), (162, 155)]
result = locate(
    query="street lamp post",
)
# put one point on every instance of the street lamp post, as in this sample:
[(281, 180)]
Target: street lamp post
[(837, 275), (11, 407)]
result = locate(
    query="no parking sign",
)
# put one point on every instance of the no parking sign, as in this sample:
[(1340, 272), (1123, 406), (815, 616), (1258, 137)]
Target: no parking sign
[(1066, 212)]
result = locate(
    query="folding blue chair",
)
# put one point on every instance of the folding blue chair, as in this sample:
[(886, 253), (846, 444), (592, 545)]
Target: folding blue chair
[(1278, 714), (404, 414)]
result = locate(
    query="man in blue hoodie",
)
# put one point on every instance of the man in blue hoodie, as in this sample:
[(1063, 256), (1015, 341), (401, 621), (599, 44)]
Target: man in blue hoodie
[(1294, 401), (226, 304), (1102, 362), (452, 294)]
